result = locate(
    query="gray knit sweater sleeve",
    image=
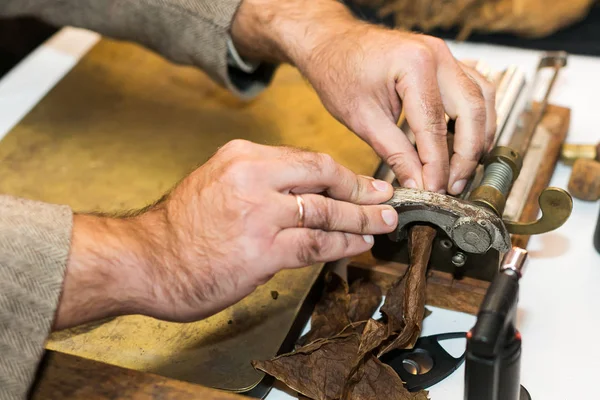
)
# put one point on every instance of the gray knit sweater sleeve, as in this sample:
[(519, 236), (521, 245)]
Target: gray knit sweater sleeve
[(34, 247), (188, 32)]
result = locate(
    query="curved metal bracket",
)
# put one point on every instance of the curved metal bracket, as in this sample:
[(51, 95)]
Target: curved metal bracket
[(556, 205), (472, 228)]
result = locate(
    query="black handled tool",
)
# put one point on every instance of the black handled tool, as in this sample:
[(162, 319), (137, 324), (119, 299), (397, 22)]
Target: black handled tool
[(493, 360)]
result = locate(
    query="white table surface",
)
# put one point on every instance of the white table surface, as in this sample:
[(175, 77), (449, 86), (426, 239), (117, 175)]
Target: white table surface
[(560, 293)]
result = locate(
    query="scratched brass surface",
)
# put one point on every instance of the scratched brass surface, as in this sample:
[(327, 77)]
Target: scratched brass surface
[(122, 128)]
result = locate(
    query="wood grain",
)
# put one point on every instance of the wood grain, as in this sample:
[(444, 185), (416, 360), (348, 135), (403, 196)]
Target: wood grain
[(443, 291), (63, 376), (556, 120), (584, 182)]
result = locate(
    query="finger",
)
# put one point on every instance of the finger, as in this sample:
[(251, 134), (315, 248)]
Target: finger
[(464, 102), (307, 172), (299, 247), (379, 129), (424, 112), (320, 212), (489, 94)]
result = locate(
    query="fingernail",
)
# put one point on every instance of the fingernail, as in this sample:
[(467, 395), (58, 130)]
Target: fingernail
[(369, 239), (389, 217), (459, 186), (442, 191), (381, 186), (410, 184)]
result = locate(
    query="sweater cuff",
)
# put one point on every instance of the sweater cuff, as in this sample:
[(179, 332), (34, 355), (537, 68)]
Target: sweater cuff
[(34, 248), (216, 59)]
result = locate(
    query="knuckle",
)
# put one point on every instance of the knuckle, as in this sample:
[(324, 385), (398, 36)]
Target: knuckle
[(436, 43), (310, 251), (326, 161), (422, 54), (479, 113), (363, 220), (324, 210), (241, 171), (437, 129), (488, 90), (400, 161), (358, 188), (345, 240), (236, 146), (473, 90)]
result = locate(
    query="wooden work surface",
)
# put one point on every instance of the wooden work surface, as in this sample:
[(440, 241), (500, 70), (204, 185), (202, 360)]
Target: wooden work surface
[(63, 376)]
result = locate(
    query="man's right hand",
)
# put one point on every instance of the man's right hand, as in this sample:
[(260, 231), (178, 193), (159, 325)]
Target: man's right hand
[(224, 230)]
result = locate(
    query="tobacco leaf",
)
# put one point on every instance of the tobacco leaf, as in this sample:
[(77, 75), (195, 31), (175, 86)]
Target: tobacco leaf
[(373, 334), (364, 300), (379, 381), (428, 312), (393, 307), (330, 315), (404, 307), (318, 370), (413, 302), (344, 366)]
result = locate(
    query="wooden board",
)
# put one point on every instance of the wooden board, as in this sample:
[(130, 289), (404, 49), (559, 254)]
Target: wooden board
[(64, 377), (443, 291), (555, 127)]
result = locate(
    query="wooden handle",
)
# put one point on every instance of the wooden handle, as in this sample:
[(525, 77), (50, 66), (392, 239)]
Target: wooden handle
[(584, 183)]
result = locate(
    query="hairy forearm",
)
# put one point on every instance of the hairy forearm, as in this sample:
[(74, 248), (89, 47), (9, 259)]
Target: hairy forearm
[(103, 276), (288, 31)]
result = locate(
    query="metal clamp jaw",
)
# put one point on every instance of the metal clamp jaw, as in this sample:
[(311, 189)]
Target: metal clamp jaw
[(472, 226)]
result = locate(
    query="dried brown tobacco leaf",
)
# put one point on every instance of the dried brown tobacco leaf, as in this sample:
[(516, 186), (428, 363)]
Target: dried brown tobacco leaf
[(318, 370), (330, 315), (379, 381), (373, 334), (364, 300), (404, 307), (393, 307), (413, 304), (428, 312)]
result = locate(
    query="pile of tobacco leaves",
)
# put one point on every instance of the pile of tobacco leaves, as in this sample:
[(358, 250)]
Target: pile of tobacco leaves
[(339, 357)]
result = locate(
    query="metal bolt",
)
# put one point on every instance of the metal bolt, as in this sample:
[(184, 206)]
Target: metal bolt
[(498, 175), (459, 259)]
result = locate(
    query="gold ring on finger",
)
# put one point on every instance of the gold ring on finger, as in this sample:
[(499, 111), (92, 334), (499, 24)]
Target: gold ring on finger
[(300, 202)]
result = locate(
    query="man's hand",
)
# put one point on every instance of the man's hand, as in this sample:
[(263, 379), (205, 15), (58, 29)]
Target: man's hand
[(225, 229), (366, 74)]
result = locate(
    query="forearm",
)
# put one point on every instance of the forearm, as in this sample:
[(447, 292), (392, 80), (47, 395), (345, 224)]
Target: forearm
[(288, 31), (104, 252), (131, 265)]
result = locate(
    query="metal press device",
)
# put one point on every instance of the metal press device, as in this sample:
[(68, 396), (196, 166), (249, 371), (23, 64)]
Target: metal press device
[(480, 231)]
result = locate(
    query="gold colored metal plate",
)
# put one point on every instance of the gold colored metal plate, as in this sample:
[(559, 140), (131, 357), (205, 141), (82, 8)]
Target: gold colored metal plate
[(118, 131)]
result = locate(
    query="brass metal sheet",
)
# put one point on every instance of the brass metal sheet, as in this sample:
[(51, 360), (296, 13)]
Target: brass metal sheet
[(117, 132)]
